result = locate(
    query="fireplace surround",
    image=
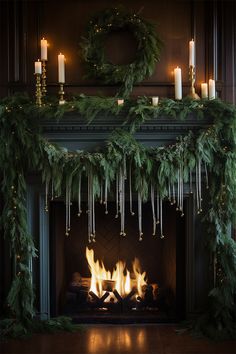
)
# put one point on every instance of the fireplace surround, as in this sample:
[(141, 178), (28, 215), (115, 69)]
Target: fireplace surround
[(74, 133)]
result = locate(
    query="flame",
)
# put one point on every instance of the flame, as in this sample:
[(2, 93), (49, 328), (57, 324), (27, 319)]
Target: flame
[(119, 279)]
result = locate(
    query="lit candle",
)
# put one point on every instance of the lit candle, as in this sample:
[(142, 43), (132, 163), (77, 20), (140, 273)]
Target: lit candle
[(44, 49), (204, 90), (61, 68), (212, 89), (191, 53), (178, 83), (38, 67), (155, 101), (120, 102)]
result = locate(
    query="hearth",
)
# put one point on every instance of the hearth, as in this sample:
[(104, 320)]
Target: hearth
[(117, 279)]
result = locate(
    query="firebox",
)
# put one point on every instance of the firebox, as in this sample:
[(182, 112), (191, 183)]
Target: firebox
[(117, 278)]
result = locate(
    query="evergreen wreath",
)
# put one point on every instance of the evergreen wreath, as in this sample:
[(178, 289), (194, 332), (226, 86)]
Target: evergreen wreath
[(148, 49)]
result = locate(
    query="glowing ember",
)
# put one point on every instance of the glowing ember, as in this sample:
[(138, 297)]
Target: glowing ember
[(119, 279)]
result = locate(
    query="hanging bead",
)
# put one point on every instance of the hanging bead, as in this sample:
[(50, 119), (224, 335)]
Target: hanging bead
[(140, 216), (130, 191), (153, 210)]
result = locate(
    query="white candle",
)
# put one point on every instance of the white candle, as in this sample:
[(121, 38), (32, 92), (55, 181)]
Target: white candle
[(61, 68), (204, 90), (120, 102), (155, 101), (44, 49), (212, 89), (38, 67), (191, 53), (178, 83)]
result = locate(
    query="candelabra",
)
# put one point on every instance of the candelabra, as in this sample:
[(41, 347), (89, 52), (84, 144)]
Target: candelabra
[(192, 94), (61, 94), (38, 92), (44, 77)]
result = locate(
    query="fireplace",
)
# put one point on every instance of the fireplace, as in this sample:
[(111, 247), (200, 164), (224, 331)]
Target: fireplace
[(176, 266), (144, 285)]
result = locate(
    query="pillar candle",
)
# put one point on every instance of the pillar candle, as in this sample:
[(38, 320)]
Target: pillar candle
[(120, 101), (178, 83), (61, 68), (44, 49), (212, 89), (191, 53), (204, 90), (155, 101), (38, 67)]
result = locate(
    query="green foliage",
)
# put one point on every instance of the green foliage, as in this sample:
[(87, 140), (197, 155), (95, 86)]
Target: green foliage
[(215, 146), (13, 328), (148, 49)]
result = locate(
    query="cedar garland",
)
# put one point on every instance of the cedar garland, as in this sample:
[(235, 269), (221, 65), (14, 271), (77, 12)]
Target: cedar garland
[(213, 148)]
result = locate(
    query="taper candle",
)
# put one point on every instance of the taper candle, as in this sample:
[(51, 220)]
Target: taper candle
[(61, 68), (178, 83), (204, 90), (192, 53), (38, 67), (44, 49), (212, 89)]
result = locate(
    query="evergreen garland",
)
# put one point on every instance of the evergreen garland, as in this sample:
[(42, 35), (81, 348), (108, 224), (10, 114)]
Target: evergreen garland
[(148, 49), (214, 147)]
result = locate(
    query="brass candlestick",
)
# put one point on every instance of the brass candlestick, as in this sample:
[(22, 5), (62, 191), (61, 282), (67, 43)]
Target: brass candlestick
[(44, 77), (38, 92), (192, 94), (61, 94)]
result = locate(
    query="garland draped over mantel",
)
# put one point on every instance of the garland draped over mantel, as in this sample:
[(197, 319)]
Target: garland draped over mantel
[(153, 173)]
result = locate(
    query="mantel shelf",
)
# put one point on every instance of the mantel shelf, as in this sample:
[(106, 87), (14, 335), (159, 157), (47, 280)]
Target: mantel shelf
[(74, 132)]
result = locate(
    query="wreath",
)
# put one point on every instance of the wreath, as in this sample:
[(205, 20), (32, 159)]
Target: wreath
[(148, 49)]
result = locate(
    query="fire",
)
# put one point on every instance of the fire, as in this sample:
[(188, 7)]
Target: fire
[(120, 279)]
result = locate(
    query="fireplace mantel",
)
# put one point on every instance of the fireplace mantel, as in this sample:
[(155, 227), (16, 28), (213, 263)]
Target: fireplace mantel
[(73, 131)]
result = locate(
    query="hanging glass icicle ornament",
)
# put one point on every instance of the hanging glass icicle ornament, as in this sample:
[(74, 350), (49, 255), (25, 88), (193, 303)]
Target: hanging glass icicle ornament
[(68, 205), (122, 178), (105, 196), (117, 196), (182, 189), (140, 224), (173, 194), (169, 191), (46, 194), (158, 209), (52, 191), (153, 210), (190, 182), (161, 218), (101, 192), (206, 175), (198, 186), (130, 190), (91, 207), (79, 196)]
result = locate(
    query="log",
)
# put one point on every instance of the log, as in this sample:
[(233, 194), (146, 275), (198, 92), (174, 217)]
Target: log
[(117, 295)]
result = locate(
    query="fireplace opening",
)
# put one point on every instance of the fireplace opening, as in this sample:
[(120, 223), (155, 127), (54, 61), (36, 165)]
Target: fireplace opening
[(117, 278)]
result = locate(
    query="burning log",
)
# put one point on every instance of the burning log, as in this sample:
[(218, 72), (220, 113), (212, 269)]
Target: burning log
[(117, 295), (108, 285), (98, 301)]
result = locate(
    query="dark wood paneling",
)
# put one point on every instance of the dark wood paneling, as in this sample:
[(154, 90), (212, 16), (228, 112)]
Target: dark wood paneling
[(211, 23)]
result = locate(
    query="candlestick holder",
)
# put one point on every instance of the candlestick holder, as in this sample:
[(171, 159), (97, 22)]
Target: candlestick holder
[(44, 77), (192, 94), (38, 92), (61, 94)]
